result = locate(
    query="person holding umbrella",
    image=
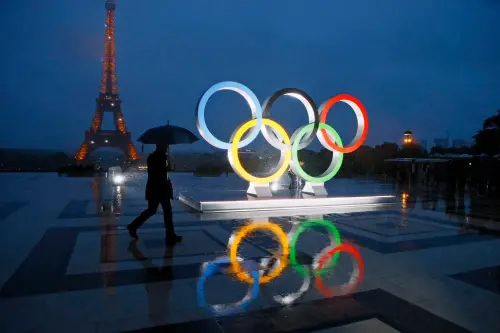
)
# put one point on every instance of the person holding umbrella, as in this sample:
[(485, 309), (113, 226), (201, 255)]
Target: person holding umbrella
[(159, 187)]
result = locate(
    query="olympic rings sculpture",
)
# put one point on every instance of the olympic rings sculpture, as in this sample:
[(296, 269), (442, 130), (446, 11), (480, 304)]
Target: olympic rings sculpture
[(276, 135), (266, 269)]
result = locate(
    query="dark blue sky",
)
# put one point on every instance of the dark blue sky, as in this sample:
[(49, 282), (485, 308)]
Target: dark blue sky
[(426, 65)]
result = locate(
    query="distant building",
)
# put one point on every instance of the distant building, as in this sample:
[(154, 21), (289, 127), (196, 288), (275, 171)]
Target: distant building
[(459, 143), (441, 143)]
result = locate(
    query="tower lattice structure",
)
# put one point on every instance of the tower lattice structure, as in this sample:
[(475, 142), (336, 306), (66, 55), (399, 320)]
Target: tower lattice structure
[(108, 101)]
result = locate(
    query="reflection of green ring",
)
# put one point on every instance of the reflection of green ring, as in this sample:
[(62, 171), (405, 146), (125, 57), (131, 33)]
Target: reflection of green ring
[(302, 227), (295, 149)]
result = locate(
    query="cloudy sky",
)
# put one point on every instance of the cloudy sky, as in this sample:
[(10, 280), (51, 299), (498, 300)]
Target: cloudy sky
[(429, 65)]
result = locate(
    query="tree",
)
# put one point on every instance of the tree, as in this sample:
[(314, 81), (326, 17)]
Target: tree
[(487, 140), (412, 150), (61, 159), (387, 150)]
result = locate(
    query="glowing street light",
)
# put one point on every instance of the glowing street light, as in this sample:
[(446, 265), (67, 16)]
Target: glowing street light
[(407, 137)]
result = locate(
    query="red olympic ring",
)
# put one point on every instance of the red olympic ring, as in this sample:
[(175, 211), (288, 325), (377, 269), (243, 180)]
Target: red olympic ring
[(362, 118), (349, 286)]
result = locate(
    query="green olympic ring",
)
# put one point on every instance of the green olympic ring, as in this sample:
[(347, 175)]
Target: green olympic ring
[(334, 235), (335, 164)]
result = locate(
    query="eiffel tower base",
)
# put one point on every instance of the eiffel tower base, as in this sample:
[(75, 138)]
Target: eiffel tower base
[(102, 139)]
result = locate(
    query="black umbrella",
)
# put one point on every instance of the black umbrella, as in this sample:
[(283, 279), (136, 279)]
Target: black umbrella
[(167, 134)]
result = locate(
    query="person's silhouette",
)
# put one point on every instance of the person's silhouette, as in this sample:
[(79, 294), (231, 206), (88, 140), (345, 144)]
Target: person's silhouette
[(158, 191), (158, 279)]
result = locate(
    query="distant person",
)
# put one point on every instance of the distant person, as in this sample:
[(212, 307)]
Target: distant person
[(399, 176), (296, 180), (413, 171), (158, 191), (438, 176), (427, 174)]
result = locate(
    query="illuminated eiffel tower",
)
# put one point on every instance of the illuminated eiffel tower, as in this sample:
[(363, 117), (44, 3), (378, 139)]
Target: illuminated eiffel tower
[(108, 101)]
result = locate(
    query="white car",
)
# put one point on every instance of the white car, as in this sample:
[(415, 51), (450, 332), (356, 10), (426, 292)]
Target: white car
[(116, 176)]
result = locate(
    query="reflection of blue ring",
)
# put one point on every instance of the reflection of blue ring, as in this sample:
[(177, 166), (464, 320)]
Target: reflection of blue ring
[(253, 103), (214, 267)]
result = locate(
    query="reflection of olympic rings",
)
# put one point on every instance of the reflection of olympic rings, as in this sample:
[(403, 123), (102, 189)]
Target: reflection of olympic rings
[(290, 298), (356, 275), (334, 241), (276, 135), (235, 241), (268, 268), (214, 267)]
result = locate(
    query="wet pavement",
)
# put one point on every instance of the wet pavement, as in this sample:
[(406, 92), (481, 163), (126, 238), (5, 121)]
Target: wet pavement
[(429, 264)]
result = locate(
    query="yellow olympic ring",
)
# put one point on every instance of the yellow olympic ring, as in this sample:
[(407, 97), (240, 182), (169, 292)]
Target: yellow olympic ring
[(234, 158), (233, 255)]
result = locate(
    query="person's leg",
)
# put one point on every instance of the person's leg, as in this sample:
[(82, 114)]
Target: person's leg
[(167, 215), (139, 220), (168, 220)]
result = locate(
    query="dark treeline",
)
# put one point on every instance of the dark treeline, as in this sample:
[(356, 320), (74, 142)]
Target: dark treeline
[(32, 160)]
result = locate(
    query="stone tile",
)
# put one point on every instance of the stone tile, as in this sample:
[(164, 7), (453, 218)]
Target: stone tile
[(86, 208), (67, 326), (390, 226), (365, 326), (196, 242), (179, 322), (487, 278), (404, 316), (9, 208)]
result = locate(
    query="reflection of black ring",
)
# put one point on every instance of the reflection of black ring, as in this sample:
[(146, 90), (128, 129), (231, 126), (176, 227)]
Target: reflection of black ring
[(268, 264), (312, 113), (290, 298)]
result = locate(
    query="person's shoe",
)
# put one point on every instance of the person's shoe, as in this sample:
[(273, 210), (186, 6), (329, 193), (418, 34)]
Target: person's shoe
[(132, 232), (173, 238)]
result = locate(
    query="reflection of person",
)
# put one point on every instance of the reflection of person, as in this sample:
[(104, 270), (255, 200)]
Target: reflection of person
[(158, 285), (158, 191)]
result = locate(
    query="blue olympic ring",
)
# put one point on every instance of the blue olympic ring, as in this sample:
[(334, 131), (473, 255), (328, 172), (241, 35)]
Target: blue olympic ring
[(252, 101), (214, 267)]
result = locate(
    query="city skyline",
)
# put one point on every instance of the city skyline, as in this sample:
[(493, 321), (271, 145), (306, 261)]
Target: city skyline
[(420, 68)]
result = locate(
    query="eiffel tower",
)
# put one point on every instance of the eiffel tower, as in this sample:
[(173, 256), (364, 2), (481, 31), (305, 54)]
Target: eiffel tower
[(108, 101)]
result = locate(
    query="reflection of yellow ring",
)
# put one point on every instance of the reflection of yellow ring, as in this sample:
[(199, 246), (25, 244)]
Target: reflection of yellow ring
[(236, 160), (283, 240)]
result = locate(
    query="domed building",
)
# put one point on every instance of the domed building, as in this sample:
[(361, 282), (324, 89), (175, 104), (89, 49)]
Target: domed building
[(408, 137)]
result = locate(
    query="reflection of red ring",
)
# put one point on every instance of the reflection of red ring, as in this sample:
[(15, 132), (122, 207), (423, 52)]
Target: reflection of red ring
[(349, 286), (361, 116)]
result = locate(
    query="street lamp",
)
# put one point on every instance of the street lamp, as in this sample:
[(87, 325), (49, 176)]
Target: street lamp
[(407, 137)]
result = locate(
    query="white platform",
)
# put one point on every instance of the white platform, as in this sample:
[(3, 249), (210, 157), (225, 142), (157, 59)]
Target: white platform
[(263, 215), (237, 201)]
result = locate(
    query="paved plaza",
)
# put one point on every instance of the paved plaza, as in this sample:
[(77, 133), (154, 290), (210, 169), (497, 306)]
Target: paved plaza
[(69, 265)]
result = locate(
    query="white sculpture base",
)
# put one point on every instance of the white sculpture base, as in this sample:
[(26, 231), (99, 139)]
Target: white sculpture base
[(259, 190), (316, 189), (232, 203)]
